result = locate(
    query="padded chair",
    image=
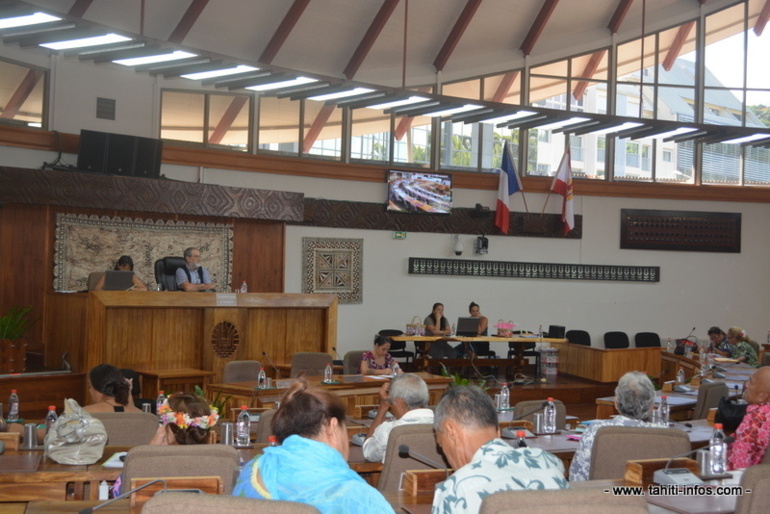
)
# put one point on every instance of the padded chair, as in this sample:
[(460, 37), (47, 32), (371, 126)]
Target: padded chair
[(616, 340), (614, 446), (585, 500), (184, 503), (263, 428), (420, 439), (578, 337), (183, 461), (646, 340), (756, 478), (708, 398), (754, 345), (397, 348), (766, 359), (165, 272), (241, 371), (311, 363), (530, 405), (128, 428), (351, 363), (93, 279)]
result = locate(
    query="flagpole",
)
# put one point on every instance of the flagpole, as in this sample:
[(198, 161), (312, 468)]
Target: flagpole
[(526, 209), (546, 202)]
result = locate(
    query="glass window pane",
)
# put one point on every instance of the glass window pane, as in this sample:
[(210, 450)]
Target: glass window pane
[(630, 60), (724, 53), (278, 125), (555, 69), (467, 89), (181, 116), (676, 103), (493, 154), (757, 166), (411, 141), (22, 94), (590, 66), (723, 107), (505, 88), (548, 92), (370, 135), (544, 153), (757, 49), (670, 55), (721, 164), (459, 145), (589, 96), (229, 121), (758, 108), (322, 134)]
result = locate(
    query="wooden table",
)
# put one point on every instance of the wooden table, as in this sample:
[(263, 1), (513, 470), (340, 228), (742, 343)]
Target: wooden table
[(173, 380), (606, 365)]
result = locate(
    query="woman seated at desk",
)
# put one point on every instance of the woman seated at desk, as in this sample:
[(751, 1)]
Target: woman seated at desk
[(378, 361), (719, 343), (742, 350), (436, 325), (125, 263), (110, 391)]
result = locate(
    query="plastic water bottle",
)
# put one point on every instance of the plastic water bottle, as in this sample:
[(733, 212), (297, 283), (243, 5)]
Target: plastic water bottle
[(663, 410), (718, 450), (520, 442), (243, 427), (262, 379), (104, 490), (395, 368), (454, 330), (272, 440), (328, 374), (549, 421), (244, 287), (680, 376), (505, 397), (669, 345), (13, 406), (50, 418), (159, 401)]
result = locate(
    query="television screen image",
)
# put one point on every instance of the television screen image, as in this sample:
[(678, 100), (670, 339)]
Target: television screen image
[(419, 193)]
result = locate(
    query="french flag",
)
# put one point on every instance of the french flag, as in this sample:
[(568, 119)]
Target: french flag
[(509, 184)]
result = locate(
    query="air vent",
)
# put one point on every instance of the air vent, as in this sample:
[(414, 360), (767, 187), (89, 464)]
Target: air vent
[(105, 108)]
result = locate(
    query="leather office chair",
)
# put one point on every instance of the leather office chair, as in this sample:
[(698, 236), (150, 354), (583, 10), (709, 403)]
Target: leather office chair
[(128, 428), (578, 337), (397, 348), (165, 272), (351, 363), (241, 371), (754, 345), (530, 405), (614, 446), (312, 363), (708, 398), (93, 279), (616, 340), (757, 479), (646, 340), (184, 503), (588, 500), (419, 438)]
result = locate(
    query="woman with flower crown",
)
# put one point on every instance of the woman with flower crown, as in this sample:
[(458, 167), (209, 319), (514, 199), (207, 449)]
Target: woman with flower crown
[(310, 464)]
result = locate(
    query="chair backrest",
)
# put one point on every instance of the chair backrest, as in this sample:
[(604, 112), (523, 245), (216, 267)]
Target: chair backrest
[(183, 503), (241, 371), (756, 479), (766, 359), (391, 332), (646, 339), (183, 460), (128, 428), (312, 363), (585, 500), (754, 345), (616, 340), (93, 279), (614, 446), (708, 398), (263, 428), (578, 337), (530, 405), (420, 439), (351, 363), (165, 272)]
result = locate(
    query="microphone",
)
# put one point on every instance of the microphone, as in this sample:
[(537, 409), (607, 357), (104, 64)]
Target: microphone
[(682, 476), (509, 432), (277, 373), (88, 510), (404, 452), (688, 425)]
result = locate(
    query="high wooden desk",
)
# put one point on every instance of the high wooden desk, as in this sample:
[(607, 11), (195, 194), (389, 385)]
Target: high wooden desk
[(605, 365), (173, 380)]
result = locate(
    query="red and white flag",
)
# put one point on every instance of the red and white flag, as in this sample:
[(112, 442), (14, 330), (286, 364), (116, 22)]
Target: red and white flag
[(562, 184), (509, 184)]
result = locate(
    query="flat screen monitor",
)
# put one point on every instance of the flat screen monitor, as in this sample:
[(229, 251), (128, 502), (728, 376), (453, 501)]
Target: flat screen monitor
[(118, 280), (418, 192)]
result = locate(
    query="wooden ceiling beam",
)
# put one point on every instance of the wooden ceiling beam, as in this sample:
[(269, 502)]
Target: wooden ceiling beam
[(676, 45), (619, 15), (456, 33), (79, 8), (537, 27), (591, 66), (283, 31), (762, 19), (505, 85), (318, 124), (24, 89), (227, 120), (189, 18), (387, 8)]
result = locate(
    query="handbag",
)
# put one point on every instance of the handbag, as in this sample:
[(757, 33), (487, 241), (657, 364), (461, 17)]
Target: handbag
[(76, 438), (413, 328), (730, 413)]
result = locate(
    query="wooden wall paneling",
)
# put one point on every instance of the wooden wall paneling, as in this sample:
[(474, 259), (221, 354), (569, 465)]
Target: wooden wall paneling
[(127, 337), (64, 322), (267, 333), (37, 392), (258, 255), (178, 338), (302, 334)]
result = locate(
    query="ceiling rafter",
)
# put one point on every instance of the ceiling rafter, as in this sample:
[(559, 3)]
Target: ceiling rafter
[(228, 118), (456, 33), (79, 8), (23, 90), (508, 80), (318, 124), (406, 121), (619, 15), (284, 29), (382, 17), (676, 45), (188, 20), (537, 27), (590, 69), (762, 19)]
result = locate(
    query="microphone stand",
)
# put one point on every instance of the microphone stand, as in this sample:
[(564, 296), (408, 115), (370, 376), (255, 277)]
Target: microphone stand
[(404, 451), (88, 510), (277, 373)]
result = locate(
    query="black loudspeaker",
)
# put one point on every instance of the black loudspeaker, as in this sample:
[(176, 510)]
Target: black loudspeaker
[(556, 331), (119, 154)]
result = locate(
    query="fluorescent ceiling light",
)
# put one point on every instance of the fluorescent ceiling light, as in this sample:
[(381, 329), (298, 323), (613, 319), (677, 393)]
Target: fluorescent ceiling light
[(744, 139), (151, 59), (86, 41), (286, 83), (36, 124), (617, 128), (510, 117), (241, 68), (562, 123), (397, 103), (454, 110), (29, 19), (341, 94), (676, 132)]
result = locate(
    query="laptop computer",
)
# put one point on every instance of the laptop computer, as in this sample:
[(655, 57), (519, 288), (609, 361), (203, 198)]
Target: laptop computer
[(118, 280), (468, 327)]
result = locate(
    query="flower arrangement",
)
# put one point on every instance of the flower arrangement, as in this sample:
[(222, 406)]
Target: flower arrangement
[(183, 420)]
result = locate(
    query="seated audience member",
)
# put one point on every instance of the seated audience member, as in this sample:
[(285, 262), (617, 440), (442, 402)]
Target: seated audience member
[(310, 464), (110, 391), (468, 433), (634, 399), (192, 276), (437, 325), (753, 434), (378, 361), (475, 312), (742, 350), (125, 263), (406, 397), (719, 343)]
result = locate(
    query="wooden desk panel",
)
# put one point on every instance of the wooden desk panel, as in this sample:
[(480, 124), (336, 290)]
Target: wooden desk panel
[(603, 365)]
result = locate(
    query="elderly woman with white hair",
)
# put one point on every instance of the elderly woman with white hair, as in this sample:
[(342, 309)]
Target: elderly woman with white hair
[(634, 399)]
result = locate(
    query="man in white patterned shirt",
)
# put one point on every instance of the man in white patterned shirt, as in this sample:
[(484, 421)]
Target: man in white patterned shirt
[(468, 433)]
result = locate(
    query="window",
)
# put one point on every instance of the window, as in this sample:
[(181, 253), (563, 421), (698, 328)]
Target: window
[(667, 156), (22, 95)]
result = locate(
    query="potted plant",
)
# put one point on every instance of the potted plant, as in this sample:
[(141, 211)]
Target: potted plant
[(13, 348)]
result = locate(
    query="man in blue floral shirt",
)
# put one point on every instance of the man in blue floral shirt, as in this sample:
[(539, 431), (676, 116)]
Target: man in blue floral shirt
[(468, 433)]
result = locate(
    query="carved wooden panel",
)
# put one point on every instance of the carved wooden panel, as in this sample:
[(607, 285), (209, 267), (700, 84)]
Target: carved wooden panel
[(680, 230), (18, 185)]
